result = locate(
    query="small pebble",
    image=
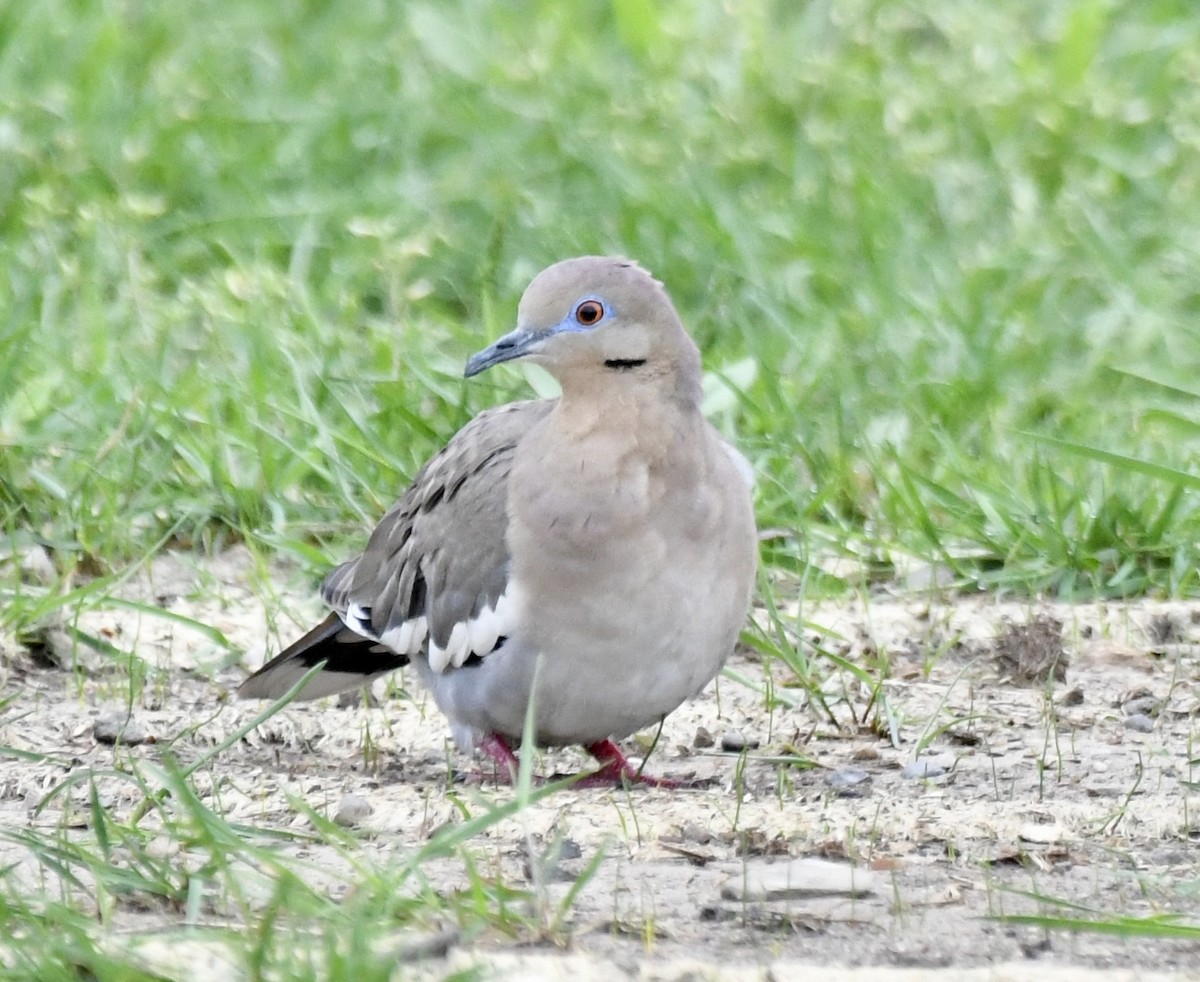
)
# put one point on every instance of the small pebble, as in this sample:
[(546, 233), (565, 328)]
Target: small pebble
[(118, 728), (1142, 706), (424, 946), (1139, 723), (1074, 697), (1042, 833), (548, 864), (846, 780), (762, 880), (735, 742), (702, 738), (923, 768), (37, 566), (352, 810)]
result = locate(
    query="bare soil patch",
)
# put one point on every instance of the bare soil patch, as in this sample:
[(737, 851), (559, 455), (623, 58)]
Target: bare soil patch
[(1016, 760)]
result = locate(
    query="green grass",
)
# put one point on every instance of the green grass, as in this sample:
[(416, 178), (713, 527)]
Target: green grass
[(246, 260), (1059, 915), (940, 261), (238, 891)]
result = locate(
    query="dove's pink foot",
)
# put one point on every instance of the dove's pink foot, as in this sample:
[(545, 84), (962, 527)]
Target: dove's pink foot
[(614, 768)]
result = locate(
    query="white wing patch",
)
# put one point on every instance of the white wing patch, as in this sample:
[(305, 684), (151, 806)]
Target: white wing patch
[(358, 619), (478, 636), (457, 649), (406, 638)]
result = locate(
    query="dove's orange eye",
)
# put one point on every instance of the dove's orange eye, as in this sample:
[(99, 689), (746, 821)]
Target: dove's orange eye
[(589, 312)]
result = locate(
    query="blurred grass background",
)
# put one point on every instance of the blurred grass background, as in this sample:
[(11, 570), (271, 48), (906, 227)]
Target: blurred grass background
[(936, 257)]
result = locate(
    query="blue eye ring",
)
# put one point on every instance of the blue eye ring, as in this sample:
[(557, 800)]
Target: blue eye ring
[(589, 313)]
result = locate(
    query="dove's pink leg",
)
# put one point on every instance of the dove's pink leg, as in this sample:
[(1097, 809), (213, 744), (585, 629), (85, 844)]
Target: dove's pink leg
[(497, 748), (615, 769)]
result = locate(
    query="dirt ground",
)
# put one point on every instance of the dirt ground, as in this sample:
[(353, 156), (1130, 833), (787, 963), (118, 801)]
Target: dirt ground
[(886, 834)]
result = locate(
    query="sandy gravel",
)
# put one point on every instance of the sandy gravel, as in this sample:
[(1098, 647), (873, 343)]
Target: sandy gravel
[(981, 778)]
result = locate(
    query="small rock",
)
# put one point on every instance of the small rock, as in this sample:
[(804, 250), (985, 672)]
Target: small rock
[(1042, 833), (735, 742), (352, 810), (50, 646), (702, 738), (547, 866), (926, 576), (425, 946), (846, 780), (1142, 706), (37, 566), (761, 880), (1139, 723), (924, 767), (118, 728), (1074, 697), (691, 832)]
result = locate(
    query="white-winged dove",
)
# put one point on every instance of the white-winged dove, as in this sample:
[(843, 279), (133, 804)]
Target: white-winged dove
[(603, 542)]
